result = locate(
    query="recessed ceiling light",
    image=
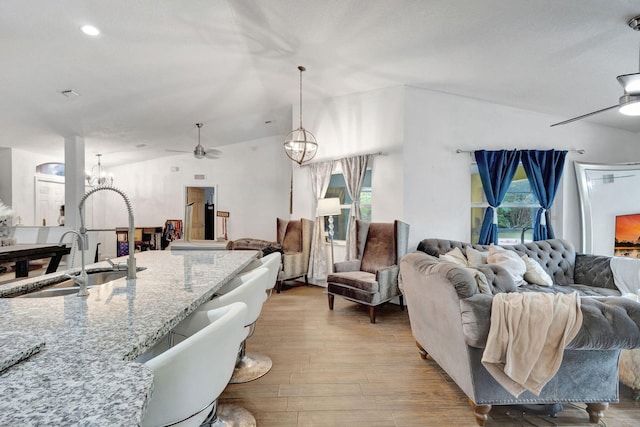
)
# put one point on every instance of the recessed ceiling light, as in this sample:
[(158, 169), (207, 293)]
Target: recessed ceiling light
[(90, 30)]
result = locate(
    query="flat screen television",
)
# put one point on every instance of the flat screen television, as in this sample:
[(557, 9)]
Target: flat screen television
[(627, 241)]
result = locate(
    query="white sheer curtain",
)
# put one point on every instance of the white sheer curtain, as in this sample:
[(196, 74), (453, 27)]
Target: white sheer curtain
[(354, 169), (320, 177)]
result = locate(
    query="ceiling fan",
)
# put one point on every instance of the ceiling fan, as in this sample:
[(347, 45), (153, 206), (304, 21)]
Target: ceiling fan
[(629, 103), (199, 152)]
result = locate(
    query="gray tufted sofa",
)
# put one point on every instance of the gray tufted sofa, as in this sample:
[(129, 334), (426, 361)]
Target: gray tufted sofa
[(450, 321)]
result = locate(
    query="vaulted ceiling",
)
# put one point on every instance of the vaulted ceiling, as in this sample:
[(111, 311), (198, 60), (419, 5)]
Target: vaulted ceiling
[(160, 66)]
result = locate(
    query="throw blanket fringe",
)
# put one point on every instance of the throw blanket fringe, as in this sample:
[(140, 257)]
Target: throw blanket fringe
[(527, 337)]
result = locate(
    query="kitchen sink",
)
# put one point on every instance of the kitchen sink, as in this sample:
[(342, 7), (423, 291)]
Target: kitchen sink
[(68, 287)]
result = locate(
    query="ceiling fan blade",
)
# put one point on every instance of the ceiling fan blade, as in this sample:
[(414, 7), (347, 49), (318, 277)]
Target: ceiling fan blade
[(213, 151), (584, 115), (211, 156), (176, 151), (630, 83)]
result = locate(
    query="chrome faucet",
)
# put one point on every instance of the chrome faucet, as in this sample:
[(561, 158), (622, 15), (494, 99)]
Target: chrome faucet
[(131, 262), (82, 279)]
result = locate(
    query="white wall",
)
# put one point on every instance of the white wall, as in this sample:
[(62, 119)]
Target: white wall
[(355, 124), (419, 179), (437, 185), (251, 180), (5, 176), (23, 183)]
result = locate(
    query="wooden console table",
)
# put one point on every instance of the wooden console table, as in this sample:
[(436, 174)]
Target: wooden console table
[(22, 254)]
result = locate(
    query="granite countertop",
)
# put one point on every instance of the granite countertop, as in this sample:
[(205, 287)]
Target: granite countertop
[(17, 347), (85, 374)]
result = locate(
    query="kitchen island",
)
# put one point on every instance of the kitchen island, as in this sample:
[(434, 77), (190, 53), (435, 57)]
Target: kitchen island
[(85, 373)]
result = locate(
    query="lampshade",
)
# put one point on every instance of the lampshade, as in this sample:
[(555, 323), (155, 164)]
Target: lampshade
[(300, 144), (328, 207), (630, 105)]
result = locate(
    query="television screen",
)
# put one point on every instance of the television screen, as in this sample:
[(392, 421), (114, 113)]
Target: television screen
[(627, 236)]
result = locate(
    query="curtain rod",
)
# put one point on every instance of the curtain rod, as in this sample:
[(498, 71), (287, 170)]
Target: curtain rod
[(579, 151), (379, 153)]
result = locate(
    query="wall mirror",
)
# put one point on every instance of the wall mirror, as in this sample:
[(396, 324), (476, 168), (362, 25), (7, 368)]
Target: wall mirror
[(609, 193)]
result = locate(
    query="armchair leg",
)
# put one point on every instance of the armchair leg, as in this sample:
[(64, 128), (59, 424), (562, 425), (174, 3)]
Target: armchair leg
[(401, 299), (481, 412), (278, 286), (372, 313), (596, 411), (330, 301)]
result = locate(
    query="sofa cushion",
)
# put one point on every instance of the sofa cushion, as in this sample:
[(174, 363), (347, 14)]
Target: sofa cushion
[(356, 279), (608, 323)]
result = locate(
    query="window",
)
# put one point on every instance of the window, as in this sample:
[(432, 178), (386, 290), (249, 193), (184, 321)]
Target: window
[(515, 214), (338, 188)]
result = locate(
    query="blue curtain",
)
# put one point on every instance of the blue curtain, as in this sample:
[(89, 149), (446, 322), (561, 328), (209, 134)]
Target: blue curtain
[(544, 170), (496, 169)]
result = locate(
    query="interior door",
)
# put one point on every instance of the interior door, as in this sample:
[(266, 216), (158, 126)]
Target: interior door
[(49, 198), (196, 196)]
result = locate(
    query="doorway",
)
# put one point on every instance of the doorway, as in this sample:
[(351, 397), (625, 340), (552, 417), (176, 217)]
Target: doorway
[(203, 213)]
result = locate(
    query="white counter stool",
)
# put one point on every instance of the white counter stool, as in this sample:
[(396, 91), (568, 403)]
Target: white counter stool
[(189, 377), (250, 289), (273, 263)]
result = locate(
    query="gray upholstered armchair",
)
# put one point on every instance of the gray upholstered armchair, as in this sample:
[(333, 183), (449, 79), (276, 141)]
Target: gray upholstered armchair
[(294, 237), (372, 279)]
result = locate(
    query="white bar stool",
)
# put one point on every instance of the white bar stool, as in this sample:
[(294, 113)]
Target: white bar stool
[(189, 377)]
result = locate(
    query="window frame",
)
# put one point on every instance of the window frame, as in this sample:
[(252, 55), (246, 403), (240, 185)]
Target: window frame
[(534, 206), (345, 208)]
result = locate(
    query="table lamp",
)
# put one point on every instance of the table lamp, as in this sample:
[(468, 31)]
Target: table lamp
[(329, 207)]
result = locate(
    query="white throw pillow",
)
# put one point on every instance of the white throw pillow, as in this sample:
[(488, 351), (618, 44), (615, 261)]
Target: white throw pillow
[(456, 256), (475, 257), (535, 274), (510, 261), (481, 281)]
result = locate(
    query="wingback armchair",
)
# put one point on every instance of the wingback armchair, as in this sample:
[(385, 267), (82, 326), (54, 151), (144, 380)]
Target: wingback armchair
[(294, 237), (372, 278)]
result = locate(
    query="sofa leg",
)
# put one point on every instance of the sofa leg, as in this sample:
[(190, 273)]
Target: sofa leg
[(306, 280), (481, 412), (401, 299), (422, 351), (278, 286), (596, 411), (372, 313), (330, 301)]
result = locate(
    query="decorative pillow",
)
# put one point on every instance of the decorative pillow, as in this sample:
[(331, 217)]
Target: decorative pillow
[(535, 274), (508, 260), (475, 257), (456, 256), (481, 281)]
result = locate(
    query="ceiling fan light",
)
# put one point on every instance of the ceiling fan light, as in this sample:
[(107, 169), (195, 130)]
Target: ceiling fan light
[(630, 105)]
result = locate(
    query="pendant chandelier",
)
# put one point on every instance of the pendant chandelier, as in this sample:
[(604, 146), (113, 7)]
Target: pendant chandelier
[(99, 175), (300, 145)]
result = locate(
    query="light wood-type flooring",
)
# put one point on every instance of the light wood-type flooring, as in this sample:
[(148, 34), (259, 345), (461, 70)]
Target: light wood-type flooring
[(334, 368)]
